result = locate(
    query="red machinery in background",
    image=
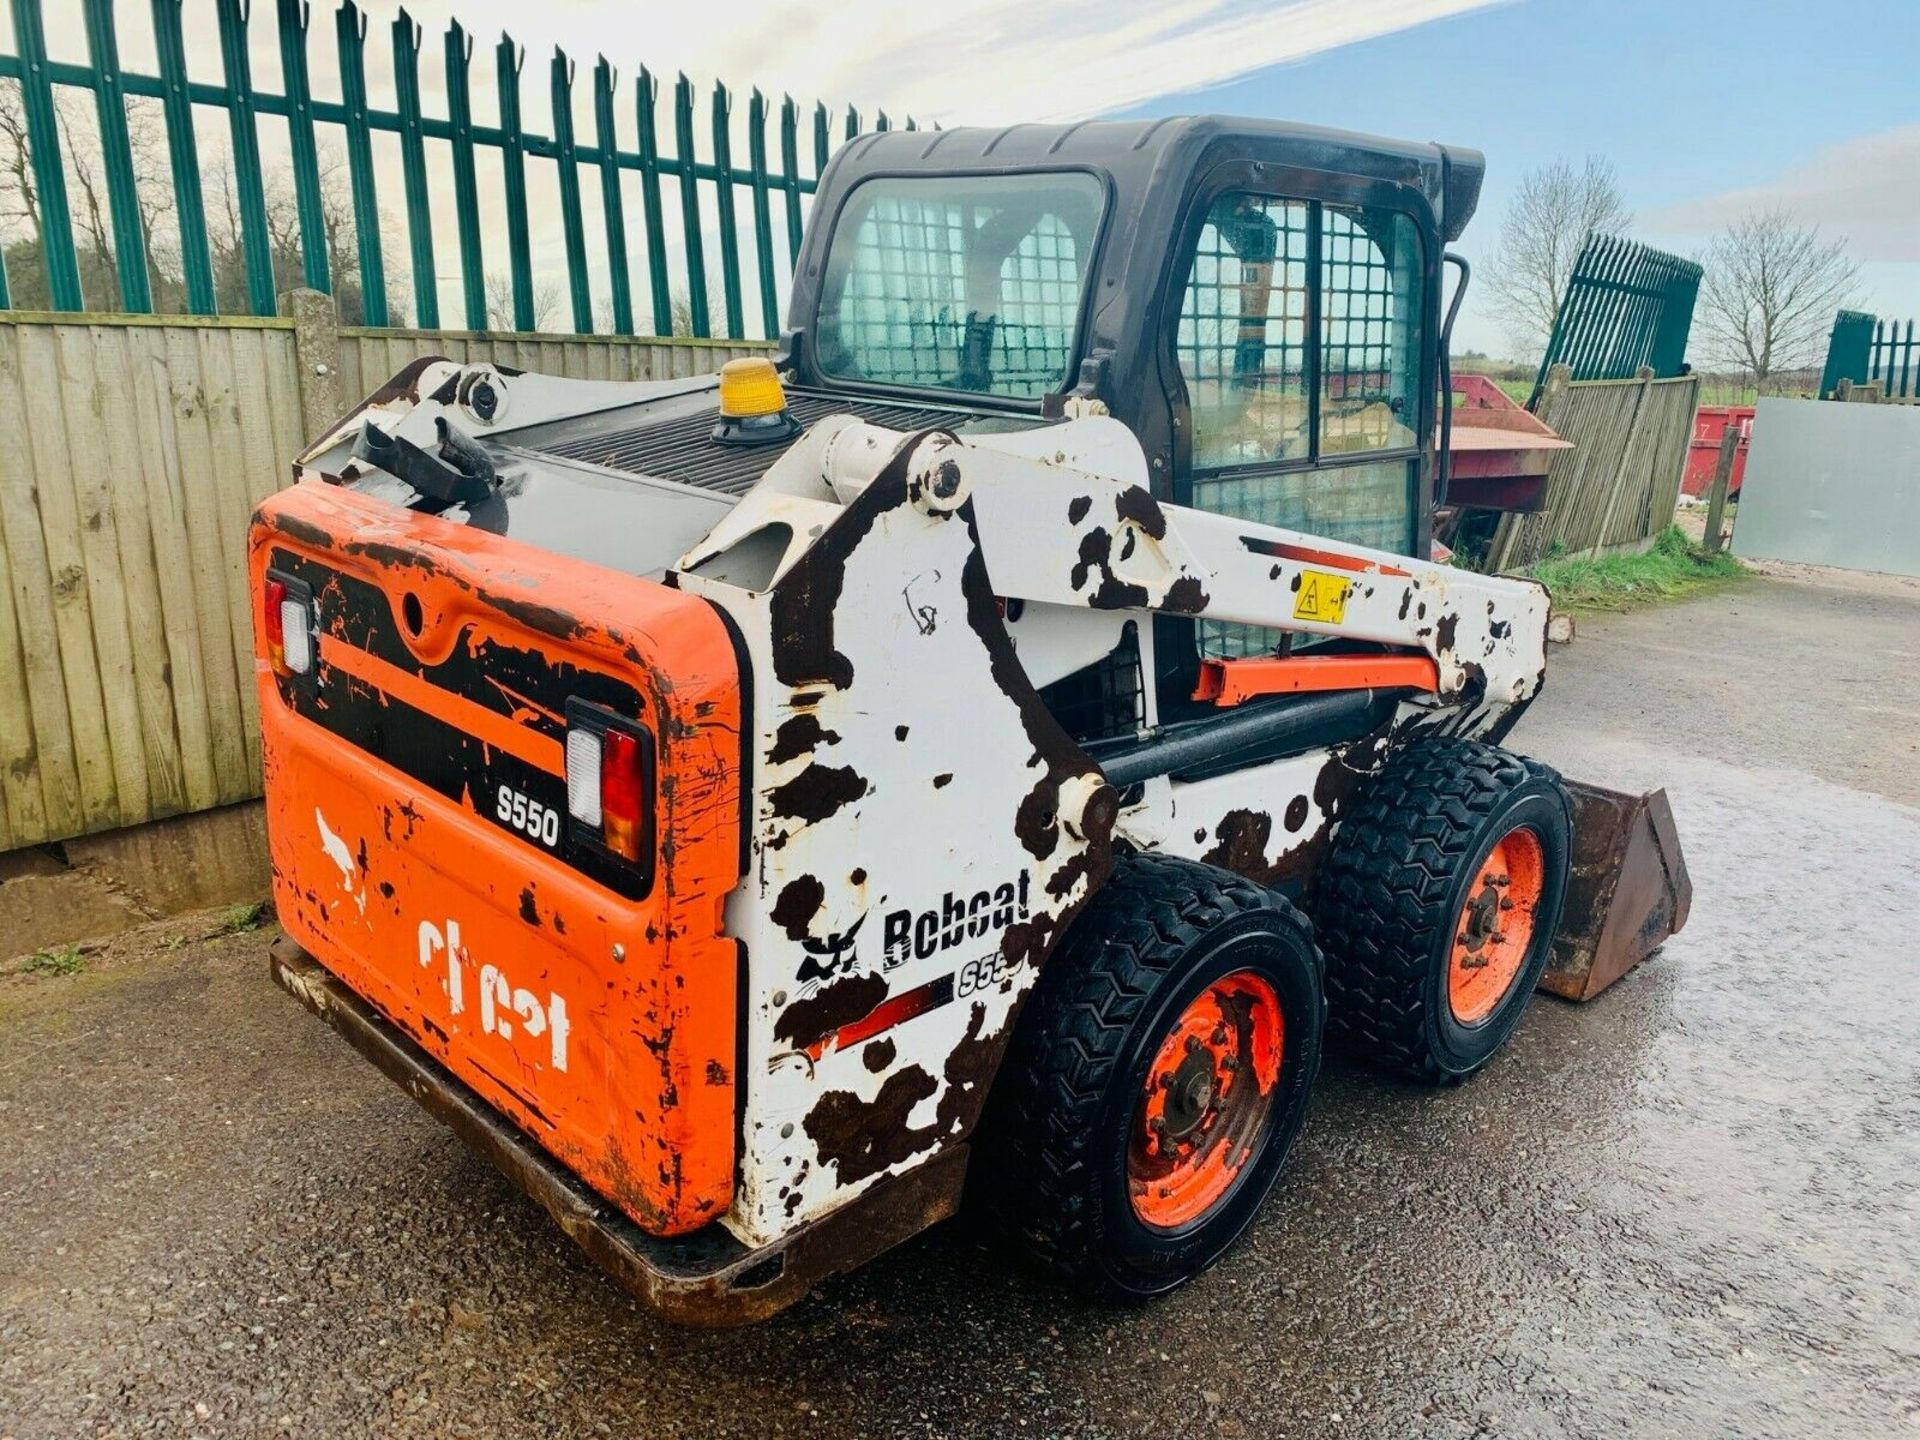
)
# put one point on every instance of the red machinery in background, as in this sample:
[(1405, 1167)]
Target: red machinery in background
[(1499, 451), (1710, 424)]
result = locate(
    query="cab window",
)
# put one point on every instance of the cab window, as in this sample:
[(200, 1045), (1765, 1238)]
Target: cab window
[(1370, 317), (1267, 273), (1298, 342), (1242, 339), (970, 283)]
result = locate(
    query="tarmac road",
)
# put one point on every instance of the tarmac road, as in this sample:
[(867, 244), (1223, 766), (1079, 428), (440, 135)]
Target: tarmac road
[(1691, 1208)]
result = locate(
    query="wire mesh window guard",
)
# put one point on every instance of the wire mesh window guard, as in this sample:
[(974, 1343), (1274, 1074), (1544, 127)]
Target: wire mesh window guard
[(1370, 278), (1242, 336), (968, 283), (1259, 380)]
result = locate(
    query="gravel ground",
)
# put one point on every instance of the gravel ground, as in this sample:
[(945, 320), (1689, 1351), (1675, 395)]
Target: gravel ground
[(1689, 1208)]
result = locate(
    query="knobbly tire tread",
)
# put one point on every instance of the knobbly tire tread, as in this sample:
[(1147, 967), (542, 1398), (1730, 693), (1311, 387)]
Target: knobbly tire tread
[(1381, 902), (1036, 1147)]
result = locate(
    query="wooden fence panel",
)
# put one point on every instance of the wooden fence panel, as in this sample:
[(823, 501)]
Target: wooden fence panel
[(161, 499), (42, 774), (1617, 487), (368, 357), (140, 445)]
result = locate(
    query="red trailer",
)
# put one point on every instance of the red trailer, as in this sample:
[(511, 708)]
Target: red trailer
[(1500, 452)]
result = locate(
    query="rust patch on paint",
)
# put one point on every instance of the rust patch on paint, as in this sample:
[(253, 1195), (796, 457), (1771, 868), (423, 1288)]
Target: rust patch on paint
[(798, 736), (1187, 596), (860, 1138), (800, 900), (1240, 842), (817, 792), (1137, 504)]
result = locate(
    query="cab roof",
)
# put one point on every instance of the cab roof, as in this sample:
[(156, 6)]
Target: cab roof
[(1147, 157)]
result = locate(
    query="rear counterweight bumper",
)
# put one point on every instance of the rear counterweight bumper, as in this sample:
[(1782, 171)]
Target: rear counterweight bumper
[(707, 1278)]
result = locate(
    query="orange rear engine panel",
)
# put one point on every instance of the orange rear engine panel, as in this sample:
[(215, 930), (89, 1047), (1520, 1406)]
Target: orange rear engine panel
[(423, 851)]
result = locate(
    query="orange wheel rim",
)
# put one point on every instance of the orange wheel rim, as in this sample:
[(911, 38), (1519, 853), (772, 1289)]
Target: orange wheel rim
[(1495, 930), (1208, 1096)]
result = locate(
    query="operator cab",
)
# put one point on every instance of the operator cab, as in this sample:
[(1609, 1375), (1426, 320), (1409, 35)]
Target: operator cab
[(1258, 302)]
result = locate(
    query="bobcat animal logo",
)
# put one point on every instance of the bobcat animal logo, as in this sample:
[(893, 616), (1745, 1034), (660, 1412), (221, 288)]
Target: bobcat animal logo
[(828, 955)]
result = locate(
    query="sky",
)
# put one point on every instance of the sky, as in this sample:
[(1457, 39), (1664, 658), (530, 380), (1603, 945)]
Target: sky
[(1706, 108)]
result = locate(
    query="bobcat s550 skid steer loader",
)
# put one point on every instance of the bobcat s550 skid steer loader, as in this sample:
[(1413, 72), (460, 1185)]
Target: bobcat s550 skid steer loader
[(987, 744)]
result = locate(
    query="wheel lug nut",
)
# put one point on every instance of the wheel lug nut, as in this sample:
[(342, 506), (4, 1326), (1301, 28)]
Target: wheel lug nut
[(1506, 904)]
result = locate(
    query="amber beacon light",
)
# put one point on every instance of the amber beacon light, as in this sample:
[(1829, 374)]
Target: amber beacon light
[(753, 405)]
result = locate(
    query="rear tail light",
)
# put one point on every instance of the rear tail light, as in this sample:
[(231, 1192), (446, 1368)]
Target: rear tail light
[(583, 776), (622, 796), (287, 614), (610, 790)]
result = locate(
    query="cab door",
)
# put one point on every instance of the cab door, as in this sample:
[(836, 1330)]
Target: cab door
[(1295, 361)]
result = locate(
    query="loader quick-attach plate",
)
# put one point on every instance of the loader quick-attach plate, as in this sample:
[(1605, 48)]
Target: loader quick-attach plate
[(1628, 893), (706, 1279)]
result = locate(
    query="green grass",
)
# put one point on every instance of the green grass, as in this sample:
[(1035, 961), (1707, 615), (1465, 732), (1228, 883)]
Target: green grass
[(55, 960), (1674, 568), (237, 918)]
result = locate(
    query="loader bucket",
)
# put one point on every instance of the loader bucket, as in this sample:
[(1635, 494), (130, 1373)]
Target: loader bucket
[(1628, 892)]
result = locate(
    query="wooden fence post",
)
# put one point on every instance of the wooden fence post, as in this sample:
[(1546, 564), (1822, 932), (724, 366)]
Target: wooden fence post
[(316, 353), (1722, 476), (1559, 377), (1628, 447)]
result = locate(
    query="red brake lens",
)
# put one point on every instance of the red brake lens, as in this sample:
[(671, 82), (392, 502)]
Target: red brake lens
[(622, 794), (276, 627)]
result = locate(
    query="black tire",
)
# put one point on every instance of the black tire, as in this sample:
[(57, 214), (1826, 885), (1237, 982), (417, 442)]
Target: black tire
[(1053, 1158), (1389, 903)]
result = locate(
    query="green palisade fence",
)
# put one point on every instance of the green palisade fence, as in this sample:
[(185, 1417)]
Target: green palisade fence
[(1866, 350), (707, 187), (1627, 305)]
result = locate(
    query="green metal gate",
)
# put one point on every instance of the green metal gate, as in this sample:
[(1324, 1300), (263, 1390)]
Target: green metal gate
[(1627, 305), (698, 182), (1866, 350)]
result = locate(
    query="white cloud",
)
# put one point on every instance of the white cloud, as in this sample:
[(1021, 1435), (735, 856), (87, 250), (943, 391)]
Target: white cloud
[(959, 61), (955, 62), (1866, 189)]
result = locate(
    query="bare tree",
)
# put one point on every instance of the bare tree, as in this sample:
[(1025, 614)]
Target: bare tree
[(1770, 293), (1548, 220), (19, 195), (682, 310), (285, 250), (546, 303)]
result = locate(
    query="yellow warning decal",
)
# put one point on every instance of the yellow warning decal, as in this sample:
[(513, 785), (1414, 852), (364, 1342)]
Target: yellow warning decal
[(1322, 597)]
